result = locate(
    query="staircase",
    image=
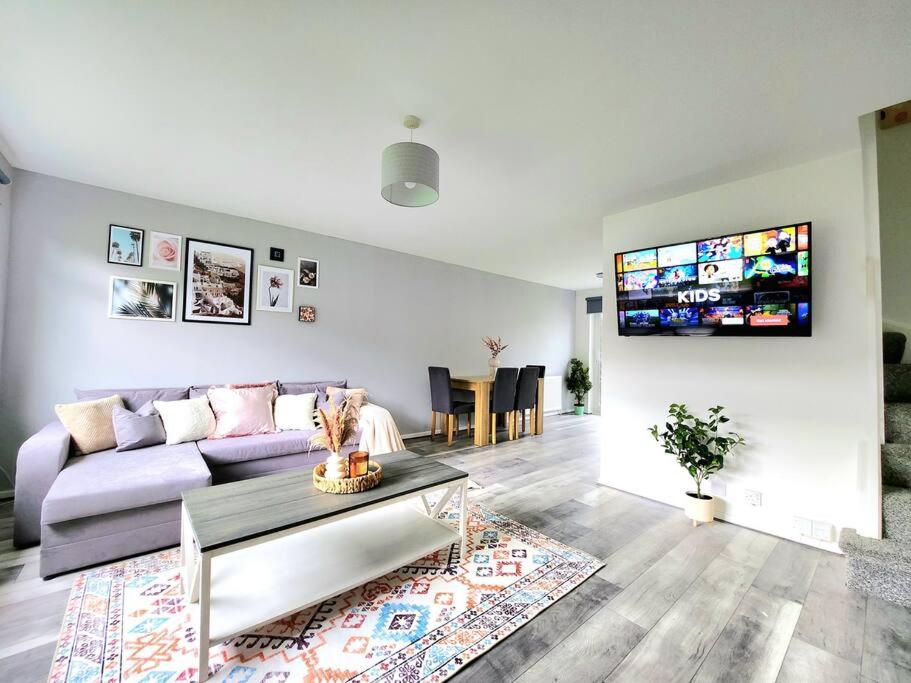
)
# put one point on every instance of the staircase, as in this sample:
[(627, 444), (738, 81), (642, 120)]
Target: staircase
[(883, 568)]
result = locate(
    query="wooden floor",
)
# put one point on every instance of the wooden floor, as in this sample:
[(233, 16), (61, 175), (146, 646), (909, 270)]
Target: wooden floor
[(672, 603)]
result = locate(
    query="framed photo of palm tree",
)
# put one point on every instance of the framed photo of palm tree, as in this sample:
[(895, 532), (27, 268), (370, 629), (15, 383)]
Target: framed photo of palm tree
[(125, 245), (134, 299)]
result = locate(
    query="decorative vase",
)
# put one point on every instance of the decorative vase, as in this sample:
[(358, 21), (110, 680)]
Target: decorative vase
[(494, 363), (336, 467), (579, 410), (699, 509)]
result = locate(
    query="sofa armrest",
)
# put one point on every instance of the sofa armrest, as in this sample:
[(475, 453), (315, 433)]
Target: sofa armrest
[(40, 460)]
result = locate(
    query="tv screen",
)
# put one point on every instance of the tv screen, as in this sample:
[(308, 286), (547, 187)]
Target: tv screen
[(751, 283)]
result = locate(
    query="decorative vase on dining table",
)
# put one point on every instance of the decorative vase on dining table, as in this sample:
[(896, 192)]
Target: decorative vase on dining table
[(494, 363)]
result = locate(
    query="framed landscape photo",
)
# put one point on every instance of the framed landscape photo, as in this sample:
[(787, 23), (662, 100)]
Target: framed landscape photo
[(136, 299), (125, 245), (164, 251), (218, 283), (274, 289), (307, 272)]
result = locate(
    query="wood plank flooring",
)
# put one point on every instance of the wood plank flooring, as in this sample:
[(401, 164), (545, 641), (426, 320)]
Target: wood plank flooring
[(673, 603)]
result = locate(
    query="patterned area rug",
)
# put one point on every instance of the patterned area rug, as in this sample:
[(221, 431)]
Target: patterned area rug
[(129, 621)]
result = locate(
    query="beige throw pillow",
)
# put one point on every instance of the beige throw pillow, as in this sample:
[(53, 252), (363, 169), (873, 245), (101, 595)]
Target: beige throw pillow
[(189, 420), (358, 396), (90, 423)]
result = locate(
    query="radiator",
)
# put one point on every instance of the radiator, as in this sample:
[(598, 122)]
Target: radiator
[(553, 393)]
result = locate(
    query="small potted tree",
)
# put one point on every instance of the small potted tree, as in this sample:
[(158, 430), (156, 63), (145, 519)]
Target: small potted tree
[(699, 449), (579, 384)]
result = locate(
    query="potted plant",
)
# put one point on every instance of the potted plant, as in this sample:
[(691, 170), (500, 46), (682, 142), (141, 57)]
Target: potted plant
[(339, 424), (699, 449), (579, 384)]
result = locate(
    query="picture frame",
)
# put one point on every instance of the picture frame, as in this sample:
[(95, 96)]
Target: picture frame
[(125, 245), (142, 299), (307, 272), (276, 254), (218, 283), (306, 314), (164, 250), (274, 289)]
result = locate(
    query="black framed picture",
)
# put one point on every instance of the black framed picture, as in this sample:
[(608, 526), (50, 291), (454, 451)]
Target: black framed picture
[(276, 254), (307, 272), (125, 245), (218, 283)]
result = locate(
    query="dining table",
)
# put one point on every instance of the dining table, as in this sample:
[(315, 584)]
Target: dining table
[(482, 385)]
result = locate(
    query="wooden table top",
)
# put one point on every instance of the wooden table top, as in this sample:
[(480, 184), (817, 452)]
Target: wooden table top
[(244, 510), (474, 379)]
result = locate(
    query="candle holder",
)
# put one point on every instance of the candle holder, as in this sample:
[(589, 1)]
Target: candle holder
[(357, 463)]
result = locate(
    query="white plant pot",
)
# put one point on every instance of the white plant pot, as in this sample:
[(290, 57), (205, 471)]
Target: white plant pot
[(699, 509)]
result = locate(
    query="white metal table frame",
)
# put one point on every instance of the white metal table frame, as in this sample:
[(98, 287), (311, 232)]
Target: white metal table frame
[(197, 566)]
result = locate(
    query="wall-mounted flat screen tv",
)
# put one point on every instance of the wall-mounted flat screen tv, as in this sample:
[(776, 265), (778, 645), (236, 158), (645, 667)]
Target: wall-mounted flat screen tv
[(750, 283)]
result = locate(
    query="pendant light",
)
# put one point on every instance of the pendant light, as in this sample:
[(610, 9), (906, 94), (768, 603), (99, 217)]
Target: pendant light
[(411, 171)]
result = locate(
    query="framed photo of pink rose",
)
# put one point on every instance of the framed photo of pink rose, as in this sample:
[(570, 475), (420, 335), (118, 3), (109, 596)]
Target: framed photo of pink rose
[(165, 251)]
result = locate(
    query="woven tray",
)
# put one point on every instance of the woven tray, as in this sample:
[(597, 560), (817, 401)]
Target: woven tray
[(350, 485)]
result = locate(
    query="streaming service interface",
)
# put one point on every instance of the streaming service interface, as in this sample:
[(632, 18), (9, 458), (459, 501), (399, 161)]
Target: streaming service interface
[(755, 282)]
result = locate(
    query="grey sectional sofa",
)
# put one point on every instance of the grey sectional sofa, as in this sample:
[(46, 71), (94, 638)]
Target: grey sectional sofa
[(95, 508)]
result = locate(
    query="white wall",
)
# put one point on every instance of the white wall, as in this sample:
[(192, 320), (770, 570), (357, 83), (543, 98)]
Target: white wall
[(893, 148), (804, 405)]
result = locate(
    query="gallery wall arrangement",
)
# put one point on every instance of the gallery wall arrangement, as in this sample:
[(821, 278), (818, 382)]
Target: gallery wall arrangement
[(217, 280)]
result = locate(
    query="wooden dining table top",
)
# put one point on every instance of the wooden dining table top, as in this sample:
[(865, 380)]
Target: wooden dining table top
[(475, 379)]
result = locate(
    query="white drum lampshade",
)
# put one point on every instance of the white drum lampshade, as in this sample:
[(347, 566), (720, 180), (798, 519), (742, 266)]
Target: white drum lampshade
[(411, 172)]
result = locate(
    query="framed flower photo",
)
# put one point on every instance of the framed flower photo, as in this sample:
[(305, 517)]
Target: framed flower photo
[(307, 272), (125, 245), (218, 283), (274, 289), (307, 314), (164, 251), (135, 299)]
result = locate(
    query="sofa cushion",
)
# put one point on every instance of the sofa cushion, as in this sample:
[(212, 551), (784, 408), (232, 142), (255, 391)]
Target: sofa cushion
[(187, 420), (310, 387), (137, 430), (242, 411), (90, 423), (109, 481), (133, 399), (256, 447), (198, 390)]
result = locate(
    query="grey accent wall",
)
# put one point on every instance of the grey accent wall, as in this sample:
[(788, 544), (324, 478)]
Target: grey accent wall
[(6, 198), (382, 316)]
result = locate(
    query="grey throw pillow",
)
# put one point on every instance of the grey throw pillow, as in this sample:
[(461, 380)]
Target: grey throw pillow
[(137, 430)]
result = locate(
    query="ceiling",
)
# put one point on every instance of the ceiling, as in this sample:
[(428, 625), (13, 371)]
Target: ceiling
[(547, 116)]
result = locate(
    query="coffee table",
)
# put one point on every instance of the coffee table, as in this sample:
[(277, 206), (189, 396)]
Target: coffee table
[(257, 550)]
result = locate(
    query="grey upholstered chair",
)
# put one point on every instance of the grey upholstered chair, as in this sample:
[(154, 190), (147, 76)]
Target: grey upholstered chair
[(527, 393), (503, 401), (445, 400)]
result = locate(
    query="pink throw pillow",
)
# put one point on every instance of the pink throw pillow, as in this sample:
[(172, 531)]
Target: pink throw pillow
[(242, 412)]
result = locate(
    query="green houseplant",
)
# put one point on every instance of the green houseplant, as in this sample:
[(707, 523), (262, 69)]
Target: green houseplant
[(700, 449), (578, 383)]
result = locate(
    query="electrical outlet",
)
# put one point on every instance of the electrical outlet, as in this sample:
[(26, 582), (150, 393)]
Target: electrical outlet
[(753, 498)]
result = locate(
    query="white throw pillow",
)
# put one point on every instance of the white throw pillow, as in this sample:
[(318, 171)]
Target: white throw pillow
[(295, 411), (188, 420)]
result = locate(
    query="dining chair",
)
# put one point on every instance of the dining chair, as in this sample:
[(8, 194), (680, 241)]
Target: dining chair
[(527, 393), (444, 400), (503, 401)]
